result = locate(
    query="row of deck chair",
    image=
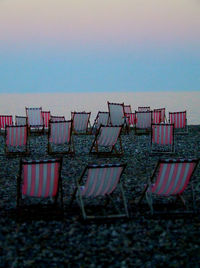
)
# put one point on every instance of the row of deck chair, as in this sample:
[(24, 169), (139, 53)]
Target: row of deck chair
[(41, 179)]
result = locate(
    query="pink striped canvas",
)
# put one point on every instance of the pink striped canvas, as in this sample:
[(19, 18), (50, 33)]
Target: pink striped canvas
[(144, 109), (81, 121), (60, 132), (131, 118), (179, 119), (162, 134), (34, 116), (108, 135), (127, 109), (156, 117), (16, 135), (116, 113), (5, 120), (143, 119), (46, 117), (20, 120), (162, 115)]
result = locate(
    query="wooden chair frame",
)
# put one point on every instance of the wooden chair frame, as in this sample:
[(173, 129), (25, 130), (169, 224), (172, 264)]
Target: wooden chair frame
[(87, 130)]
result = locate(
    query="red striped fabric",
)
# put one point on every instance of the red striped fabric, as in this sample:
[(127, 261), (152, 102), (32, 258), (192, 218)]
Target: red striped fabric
[(108, 136), (178, 119), (131, 118), (60, 132), (5, 120), (34, 116), (156, 117), (116, 113), (46, 117), (80, 121), (16, 135), (162, 134)]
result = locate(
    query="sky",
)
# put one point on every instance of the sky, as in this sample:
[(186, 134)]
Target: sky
[(49, 46)]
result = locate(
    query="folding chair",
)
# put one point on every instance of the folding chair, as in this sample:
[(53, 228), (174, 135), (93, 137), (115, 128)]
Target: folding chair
[(16, 138), (57, 118), (39, 184), (162, 115), (162, 138), (131, 118), (143, 122), (35, 120), (106, 138), (20, 120), (81, 122), (116, 114), (46, 117), (179, 119), (170, 178), (5, 120), (156, 117), (60, 138), (144, 109), (99, 182), (101, 119), (127, 109)]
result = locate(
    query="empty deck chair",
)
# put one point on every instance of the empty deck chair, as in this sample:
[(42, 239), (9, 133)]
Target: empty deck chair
[(35, 120), (179, 119), (81, 122), (20, 120), (127, 109), (162, 115), (101, 119), (144, 109), (156, 117), (99, 182), (46, 117), (5, 120), (57, 118), (16, 138), (170, 178), (143, 122), (162, 138), (105, 141), (39, 182), (60, 137), (116, 114)]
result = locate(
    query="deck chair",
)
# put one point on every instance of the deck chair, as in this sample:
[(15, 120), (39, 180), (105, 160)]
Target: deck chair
[(170, 178), (156, 117), (179, 119), (20, 120), (144, 109), (5, 120), (143, 122), (116, 114), (162, 115), (60, 137), (39, 186), (162, 138), (35, 120), (57, 118), (46, 117), (81, 122), (127, 109), (99, 182), (101, 119), (105, 141), (16, 138)]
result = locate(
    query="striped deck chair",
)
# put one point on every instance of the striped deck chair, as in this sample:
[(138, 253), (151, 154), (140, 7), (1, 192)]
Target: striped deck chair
[(162, 116), (170, 178), (143, 122), (35, 120), (20, 120), (101, 181), (60, 137), (81, 122), (144, 109), (156, 116), (179, 119), (39, 182), (5, 120), (57, 118), (105, 141), (116, 114), (46, 117), (101, 119), (16, 138), (127, 109), (162, 138)]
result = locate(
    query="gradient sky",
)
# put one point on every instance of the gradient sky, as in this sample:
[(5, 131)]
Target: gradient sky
[(99, 45)]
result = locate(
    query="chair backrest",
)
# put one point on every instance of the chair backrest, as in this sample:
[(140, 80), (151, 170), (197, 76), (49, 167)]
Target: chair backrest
[(172, 176), (116, 113), (34, 116), (131, 118), (162, 116), (5, 120), (46, 117), (144, 109), (143, 119), (57, 118), (102, 119), (40, 178), (179, 119), (80, 121), (108, 135), (127, 109), (16, 135), (20, 120), (156, 117), (162, 134), (60, 132), (102, 180)]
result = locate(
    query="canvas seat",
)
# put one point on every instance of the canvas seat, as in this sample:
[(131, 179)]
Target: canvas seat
[(20, 120), (35, 120), (162, 138), (161, 117), (5, 120), (107, 141), (170, 178), (179, 119), (101, 183), (116, 114), (16, 138), (39, 186), (101, 119), (81, 122), (60, 137), (143, 122), (46, 117)]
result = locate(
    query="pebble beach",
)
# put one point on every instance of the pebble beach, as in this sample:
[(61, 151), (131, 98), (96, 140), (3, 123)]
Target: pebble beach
[(142, 240)]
